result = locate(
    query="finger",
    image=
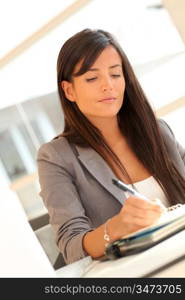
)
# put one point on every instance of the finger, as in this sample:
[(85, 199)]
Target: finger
[(140, 213), (143, 204), (137, 221), (159, 202), (142, 217)]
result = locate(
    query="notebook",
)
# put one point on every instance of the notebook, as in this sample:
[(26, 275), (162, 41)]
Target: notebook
[(169, 223)]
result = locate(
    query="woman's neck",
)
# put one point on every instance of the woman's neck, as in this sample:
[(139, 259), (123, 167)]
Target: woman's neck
[(110, 130)]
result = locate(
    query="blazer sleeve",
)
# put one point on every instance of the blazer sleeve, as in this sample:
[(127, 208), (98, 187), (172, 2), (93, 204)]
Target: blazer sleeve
[(62, 201), (180, 148)]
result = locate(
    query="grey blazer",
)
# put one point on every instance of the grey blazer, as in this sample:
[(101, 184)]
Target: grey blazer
[(76, 187)]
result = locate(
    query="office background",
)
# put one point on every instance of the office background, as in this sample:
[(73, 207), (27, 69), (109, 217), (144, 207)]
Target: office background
[(152, 33)]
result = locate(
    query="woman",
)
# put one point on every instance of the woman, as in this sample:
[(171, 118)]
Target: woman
[(110, 132)]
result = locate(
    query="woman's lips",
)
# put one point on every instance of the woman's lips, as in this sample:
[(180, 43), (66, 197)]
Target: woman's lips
[(108, 100)]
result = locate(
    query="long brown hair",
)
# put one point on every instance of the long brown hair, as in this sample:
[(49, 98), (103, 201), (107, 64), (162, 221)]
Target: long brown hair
[(136, 118)]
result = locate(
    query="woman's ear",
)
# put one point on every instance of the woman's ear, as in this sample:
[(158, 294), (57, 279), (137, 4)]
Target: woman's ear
[(68, 90)]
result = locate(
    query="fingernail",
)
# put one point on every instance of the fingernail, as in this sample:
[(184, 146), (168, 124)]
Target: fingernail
[(158, 201)]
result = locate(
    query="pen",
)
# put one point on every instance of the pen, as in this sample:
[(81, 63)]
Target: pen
[(128, 189)]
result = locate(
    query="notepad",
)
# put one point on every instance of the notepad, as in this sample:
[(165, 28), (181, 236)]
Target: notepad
[(169, 223)]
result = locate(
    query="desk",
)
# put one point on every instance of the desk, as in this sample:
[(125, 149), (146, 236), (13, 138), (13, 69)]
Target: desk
[(137, 265), (177, 270), (21, 254)]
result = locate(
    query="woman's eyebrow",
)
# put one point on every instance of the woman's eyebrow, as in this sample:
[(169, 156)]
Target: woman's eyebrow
[(111, 67), (114, 66)]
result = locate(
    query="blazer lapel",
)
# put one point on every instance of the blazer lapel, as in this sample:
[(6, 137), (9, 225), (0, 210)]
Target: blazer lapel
[(97, 166)]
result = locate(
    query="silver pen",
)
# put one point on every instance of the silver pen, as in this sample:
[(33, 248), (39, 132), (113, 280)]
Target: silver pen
[(128, 189)]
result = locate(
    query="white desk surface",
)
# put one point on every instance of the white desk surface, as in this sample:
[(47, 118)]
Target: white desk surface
[(176, 270), (21, 254), (137, 265)]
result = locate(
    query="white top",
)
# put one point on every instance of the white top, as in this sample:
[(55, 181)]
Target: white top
[(150, 188)]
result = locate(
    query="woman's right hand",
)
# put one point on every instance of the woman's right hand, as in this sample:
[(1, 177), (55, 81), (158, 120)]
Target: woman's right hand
[(135, 214)]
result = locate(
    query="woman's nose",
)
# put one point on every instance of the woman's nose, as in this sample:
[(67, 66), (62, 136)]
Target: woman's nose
[(107, 84)]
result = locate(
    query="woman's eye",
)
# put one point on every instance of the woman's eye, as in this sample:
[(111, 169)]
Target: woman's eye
[(116, 75), (94, 78), (91, 79)]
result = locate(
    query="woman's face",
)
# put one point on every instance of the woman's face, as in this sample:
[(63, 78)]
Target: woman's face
[(99, 92)]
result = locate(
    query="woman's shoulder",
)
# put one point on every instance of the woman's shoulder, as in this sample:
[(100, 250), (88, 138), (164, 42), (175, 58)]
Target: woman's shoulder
[(165, 128), (55, 150), (168, 135)]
